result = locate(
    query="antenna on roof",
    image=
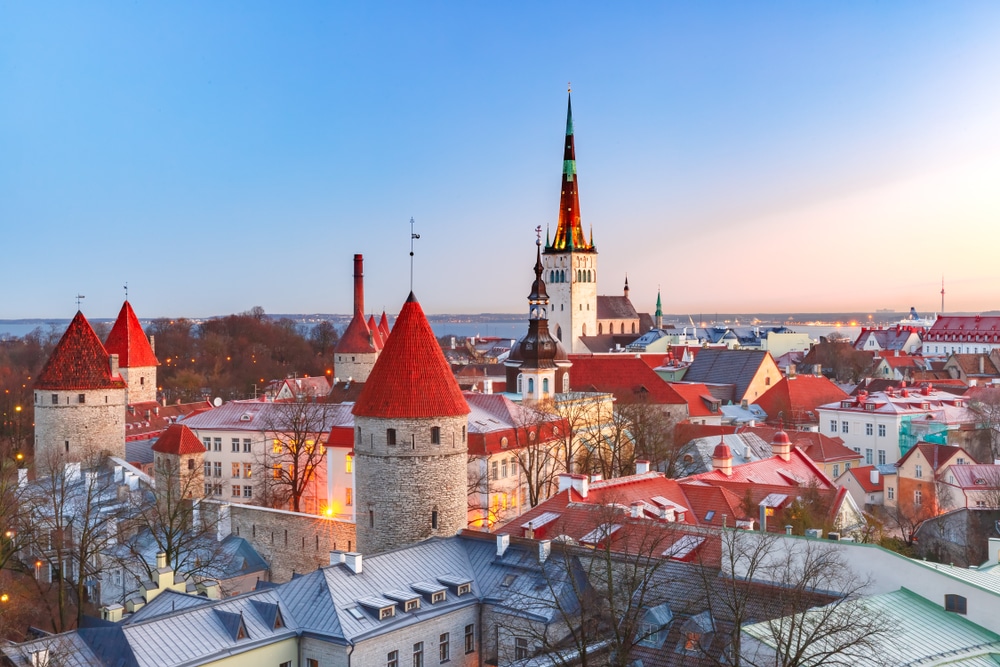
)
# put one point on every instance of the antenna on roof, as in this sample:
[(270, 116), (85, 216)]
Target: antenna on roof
[(942, 294), (79, 298), (125, 287), (412, 237)]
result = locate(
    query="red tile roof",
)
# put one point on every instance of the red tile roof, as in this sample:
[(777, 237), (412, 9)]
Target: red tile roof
[(698, 397), (357, 339), (375, 332), (792, 399), (79, 361), (178, 439), (863, 476), (129, 342), (623, 375), (818, 447), (798, 471), (411, 378), (148, 419), (383, 326)]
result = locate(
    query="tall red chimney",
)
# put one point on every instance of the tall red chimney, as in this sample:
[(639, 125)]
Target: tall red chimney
[(359, 284)]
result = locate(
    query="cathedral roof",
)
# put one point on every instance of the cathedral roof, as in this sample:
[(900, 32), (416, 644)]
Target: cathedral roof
[(178, 439), (357, 339), (129, 342), (411, 378), (569, 230), (79, 361)]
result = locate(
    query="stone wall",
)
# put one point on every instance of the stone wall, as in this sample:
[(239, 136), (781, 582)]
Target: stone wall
[(141, 383), (356, 367), (290, 542), (403, 488), (68, 429)]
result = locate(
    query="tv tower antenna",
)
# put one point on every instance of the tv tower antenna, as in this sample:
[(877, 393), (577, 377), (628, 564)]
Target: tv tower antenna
[(413, 236), (942, 294)]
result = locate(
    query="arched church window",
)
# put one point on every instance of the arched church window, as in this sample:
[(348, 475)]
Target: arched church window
[(520, 383), (600, 328), (585, 327), (622, 328), (633, 327), (531, 386), (545, 386)]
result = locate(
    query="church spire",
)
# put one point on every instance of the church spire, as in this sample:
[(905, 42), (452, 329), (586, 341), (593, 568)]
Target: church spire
[(569, 231), (659, 311)]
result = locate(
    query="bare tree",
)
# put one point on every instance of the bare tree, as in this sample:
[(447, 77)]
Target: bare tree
[(585, 415), (297, 432), (986, 406)]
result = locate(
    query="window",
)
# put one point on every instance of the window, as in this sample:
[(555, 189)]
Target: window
[(494, 470), (833, 426), (392, 659), (434, 519), (208, 444), (843, 427), (503, 468), (390, 436), (869, 429), (208, 489), (217, 469), (836, 470), (55, 399), (649, 635), (236, 470), (217, 444), (881, 457), (237, 490), (691, 641), (891, 492), (955, 603), (208, 469), (918, 471), (960, 461), (371, 518), (277, 471), (444, 648), (81, 398), (248, 492), (531, 385), (276, 446), (435, 435), (312, 662), (463, 434), (236, 445), (868, 457), (246, 445), (545, 385), (349, 464), (190, 464), (286, 664), (918, 497), (411, 605), (437, 597), (463, 589), (418, 654), (520, 648), (504, 442), (247, 470), (470, 638)]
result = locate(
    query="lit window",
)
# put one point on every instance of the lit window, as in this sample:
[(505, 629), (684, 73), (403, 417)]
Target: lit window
[(236, 470), (276, 446), (349, 464), (247, 469), (349, 496)]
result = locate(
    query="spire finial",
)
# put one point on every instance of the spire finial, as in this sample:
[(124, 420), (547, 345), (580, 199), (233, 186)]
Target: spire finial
[(412, 237), (79, 298), (569, 86), (538, 234), (125, 287)]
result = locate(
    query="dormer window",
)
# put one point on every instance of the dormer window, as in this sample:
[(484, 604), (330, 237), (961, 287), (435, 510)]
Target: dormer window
[(386, 612), (464, 589), (412, 605), (440, 596)]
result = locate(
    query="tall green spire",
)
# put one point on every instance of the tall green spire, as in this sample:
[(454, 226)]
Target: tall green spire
[(569, 230)]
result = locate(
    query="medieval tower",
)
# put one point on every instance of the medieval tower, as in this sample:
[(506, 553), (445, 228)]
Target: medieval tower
[(410, 462), (570, 260), (136, 359), (79, 400), (359, 347)]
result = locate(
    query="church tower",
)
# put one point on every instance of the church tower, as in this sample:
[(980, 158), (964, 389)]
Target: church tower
[(410, 448), (136, 360), (79, 400), (570, 260)]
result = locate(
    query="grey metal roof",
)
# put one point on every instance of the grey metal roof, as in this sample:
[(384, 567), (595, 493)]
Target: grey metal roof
[(722, 366)]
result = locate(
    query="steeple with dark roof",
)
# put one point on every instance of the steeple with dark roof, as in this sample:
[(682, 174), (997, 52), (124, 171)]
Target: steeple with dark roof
[(569, 231)]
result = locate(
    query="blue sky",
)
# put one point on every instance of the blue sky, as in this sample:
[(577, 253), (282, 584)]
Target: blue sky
[(744, 157)]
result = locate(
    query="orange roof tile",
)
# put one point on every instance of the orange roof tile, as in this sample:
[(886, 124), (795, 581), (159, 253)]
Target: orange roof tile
[(129, 342), (411, 377), (79, 361), (625, 376), (178, 439), (357, 339), (376, 333), (383, 326), (794, 398)]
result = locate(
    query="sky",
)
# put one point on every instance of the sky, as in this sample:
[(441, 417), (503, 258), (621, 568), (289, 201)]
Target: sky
[(741, 157)]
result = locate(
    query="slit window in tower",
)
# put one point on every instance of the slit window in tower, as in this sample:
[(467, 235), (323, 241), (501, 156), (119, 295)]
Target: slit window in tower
[(435, 435), (390, 436), (434, 519)]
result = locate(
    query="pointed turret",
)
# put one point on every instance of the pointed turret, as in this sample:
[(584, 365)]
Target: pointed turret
[(383, 326), (659, 311), (569, 231), (80, 361), (376, 333), (136, 358)]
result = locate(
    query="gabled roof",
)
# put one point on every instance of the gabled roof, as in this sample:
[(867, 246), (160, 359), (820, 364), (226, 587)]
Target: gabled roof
[(411, 378), (723, 366), (129, 342), (795, 399), (977, 477), (79, 361), (178, 439), (969, 363), (629, 378), (357, 339), (936, 455), (615, 308), (863, 476), (698, 398)]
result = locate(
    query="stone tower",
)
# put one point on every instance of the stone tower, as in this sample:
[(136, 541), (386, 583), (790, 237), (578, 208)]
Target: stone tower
[(178, 458), (570, 260), (136, 359), (79, 400), (410, 448), (538, 367), (358, 348)]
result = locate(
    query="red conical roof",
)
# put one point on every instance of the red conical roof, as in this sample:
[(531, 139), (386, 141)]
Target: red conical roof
[(383, 326), (129, 342), (357, 339), (79, 361), (178, 439), (376, 333), (411, 378)]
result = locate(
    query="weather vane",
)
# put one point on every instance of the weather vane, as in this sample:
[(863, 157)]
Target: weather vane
[(413, 236), (538, 233), (569, 86), (125, 287), (79, 298)]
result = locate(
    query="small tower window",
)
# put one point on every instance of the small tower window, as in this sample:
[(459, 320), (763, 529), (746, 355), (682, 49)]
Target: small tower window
[(545, 386), (81, 398), (435, 435), (463, 434), (434, 519), (55, 399), (390, 436), (531, 385)]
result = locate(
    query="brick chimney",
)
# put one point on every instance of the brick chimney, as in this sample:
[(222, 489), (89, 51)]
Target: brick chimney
[(359, 284), (578, 483)]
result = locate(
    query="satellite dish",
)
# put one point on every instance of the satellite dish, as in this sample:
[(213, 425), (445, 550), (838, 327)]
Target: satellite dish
[(217, 401)]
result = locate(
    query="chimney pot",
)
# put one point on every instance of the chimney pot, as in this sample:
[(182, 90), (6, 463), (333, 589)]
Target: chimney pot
[(641, 467), (503, 541), (336, 557), (873, 476), (353, 561), (544, 549)]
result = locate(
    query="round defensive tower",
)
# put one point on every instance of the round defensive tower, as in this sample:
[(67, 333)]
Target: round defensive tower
[(410, 441)]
